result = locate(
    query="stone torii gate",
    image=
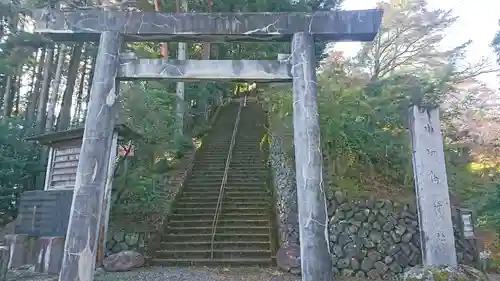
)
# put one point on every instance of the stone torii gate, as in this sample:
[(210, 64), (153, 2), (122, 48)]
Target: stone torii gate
[(112, 28)]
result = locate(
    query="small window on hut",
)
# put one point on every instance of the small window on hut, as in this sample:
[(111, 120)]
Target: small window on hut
[(63, 167)]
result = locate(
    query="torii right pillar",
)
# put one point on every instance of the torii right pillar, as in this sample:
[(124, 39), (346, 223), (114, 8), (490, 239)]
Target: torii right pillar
[(313, 216), (437, 240)]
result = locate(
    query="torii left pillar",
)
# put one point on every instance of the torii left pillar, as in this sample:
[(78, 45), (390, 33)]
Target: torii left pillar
[(83, 229)]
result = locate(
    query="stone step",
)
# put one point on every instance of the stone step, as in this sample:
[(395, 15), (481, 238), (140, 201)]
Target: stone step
[(233, 182), (228, 193), (230, 186), (256, 164), (223, 148), (224, 204), (207, 237), (221, 245), (214, 156), (239, 164), (257, 176), (242, 182), (218, 254), (220, 223), (222, 216), (230, 229), (219, 160), (234, 172), (230, 176), (226, 210), (219, 169), (255, 193), (226, 198), (212, 262)]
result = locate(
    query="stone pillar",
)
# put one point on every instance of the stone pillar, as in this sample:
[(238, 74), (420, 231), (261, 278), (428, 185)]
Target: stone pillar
[(313, 217), (103, 229), (50, 255), (4, 262), (181, 55), (17, 244), (283, 57), (83, 229), (431, 187)]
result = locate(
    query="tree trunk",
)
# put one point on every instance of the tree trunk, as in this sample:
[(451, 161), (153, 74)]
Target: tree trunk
[(44, 94), (89, 83), (64, 118), (31, 81), (17, 95), (54, 91), (35, 92), (8, 97), (9, 91), (79, 97)]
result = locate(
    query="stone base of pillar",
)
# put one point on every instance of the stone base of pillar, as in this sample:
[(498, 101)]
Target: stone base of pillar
[(17, 244), (50, 255), (4, 262), (45, 253)]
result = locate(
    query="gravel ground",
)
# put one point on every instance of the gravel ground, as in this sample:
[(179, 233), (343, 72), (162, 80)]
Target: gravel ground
[(494, 277), (172, 274), (198, 274)]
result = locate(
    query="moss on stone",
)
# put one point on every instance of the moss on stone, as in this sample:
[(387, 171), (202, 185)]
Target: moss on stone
[(444, 273), (441, 276)]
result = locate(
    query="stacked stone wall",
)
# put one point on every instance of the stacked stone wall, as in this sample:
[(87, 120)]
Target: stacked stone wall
[(368, 238), (118, 241)]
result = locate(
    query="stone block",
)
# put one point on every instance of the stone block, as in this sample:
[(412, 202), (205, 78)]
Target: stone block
[(4, 262), (50, 254), (17, 248)]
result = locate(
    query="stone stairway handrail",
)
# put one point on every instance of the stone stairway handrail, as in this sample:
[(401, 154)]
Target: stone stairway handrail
[(224, 180)]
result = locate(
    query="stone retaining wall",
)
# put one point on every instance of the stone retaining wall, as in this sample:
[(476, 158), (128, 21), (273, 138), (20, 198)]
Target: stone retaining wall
[(137, 240), (117, 241), (283, 173), (378, 238), (368, 238)]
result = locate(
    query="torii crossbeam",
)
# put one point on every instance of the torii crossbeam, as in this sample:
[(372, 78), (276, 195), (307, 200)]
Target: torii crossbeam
[(111, 28), (187, 27)]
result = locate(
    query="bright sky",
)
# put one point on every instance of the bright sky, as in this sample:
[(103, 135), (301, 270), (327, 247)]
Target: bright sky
[(478, 21)]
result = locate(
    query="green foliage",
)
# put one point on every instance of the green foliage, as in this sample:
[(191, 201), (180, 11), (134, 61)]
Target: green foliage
[(496, 45), (18, 167), (144, 199), (148, 109), (363, 133)]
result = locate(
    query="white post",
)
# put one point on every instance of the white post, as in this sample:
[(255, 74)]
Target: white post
[(431, 187), (181, 55), (107, 199), (48, 171)]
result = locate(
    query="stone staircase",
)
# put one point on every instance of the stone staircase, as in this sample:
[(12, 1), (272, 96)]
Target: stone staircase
[(243, 229)]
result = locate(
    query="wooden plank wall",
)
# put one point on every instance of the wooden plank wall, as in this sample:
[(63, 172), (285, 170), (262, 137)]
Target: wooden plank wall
[(64, 165)]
